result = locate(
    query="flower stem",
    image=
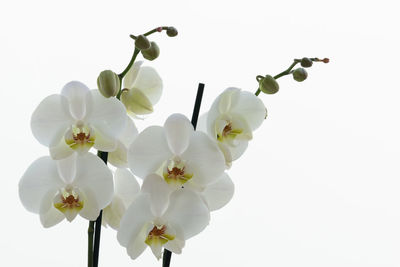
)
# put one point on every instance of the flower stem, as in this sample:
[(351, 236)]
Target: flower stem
[(289, 70), (123, 73), (97, 224), (90, 243), (195, 116)]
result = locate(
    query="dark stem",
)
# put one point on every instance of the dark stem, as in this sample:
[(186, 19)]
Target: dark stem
[(196, 110), (90, 243), (97, 230)]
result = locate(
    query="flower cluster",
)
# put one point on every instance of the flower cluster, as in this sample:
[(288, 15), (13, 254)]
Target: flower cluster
[(183, 170)]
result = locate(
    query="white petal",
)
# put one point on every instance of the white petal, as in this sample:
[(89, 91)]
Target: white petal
[(138, 245), (95, 179), (188, 212), (149, 82), (131, 75), (251, 108), (113, 213), (79, 99), (50, 120), (148, 151), (135, 217), (177, 243), (159, 192), (119, 157), (227, 154), (51, 217), (91, 209), (40, 179), (228, 99), (126, 186), (104, 142), (61, 150), (178, 130), (204, 158), (219, 193), (129, 134), (108, 115), (239, 149), (67, 168)]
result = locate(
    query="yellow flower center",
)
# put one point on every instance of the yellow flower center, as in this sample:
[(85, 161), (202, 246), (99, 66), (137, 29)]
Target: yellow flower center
[(175, 173), (158, 234)]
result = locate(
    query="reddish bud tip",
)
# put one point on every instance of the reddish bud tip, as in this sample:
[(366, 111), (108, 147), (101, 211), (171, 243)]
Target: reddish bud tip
[(159, 29), (325, 60)]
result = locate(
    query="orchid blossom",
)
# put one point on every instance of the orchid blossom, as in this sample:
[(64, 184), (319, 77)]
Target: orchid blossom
[(176, 152), (232, 118), (62, 189), (157, 224), (77, 120), (142, 89)]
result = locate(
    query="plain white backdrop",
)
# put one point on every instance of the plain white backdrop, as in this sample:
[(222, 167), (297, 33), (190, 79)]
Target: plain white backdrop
[(319, 184)]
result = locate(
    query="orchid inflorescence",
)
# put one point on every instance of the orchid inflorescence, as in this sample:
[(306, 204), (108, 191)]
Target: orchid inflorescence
[(183, 170)]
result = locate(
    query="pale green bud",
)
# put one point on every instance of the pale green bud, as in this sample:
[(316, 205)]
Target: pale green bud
[(151, 53), (300, 74), (306, 62), (136, 102), (108, 83), (269, 85), (142, 43), (172, 31)]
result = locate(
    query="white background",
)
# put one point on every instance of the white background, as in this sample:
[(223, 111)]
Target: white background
[(319, 184)]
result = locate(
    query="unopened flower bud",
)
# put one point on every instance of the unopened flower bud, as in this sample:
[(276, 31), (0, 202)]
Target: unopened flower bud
[(306, 62), (300, 74), (108, 83), (151, 53), (142, 42), (172, 31), (269, 85), (136, 102)]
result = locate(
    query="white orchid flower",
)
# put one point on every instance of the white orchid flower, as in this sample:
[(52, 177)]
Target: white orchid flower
[(77, 120), (177, 153), (126, 188), (232, 118), (119, 157), (142, 89), (62, 189), (148, 223)]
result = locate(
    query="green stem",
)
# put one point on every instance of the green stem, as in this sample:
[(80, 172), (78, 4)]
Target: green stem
[(283, 73), (156, 30), (123, 73), (90, 243)]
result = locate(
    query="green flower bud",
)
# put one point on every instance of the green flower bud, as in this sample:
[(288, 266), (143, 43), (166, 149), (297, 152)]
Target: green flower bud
[(269, 85), (151, 53), (136, 102), (306, 62), (300, 74), (172, 31), (108, 83), (142, 42)]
